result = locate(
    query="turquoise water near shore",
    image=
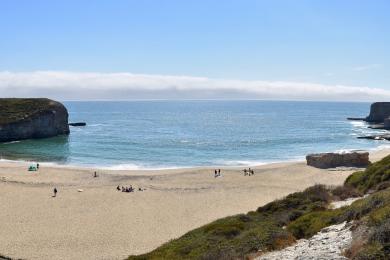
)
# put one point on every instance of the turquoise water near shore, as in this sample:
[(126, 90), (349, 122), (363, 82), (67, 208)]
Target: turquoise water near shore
[(170, 134)]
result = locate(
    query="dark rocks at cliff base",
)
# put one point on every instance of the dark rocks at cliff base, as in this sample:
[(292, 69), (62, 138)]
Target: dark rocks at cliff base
[(29, 118), (332, 160), (376, 137), (78, 124), (378, 119)]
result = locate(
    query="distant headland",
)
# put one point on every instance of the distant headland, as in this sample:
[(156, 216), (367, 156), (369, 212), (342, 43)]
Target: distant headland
[(379, 118)]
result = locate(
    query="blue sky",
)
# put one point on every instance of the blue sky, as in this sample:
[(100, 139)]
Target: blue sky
[(329, 42)]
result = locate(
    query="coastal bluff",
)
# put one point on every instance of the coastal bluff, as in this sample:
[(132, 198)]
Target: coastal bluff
[(379, 112), (30, 118)]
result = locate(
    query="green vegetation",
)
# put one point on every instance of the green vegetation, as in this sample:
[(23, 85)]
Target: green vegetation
[(376, 176), (304, 214), (238, 236), (372, 207), (16, 109)]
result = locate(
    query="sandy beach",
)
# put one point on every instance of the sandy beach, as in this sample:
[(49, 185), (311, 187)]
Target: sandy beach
[(102, 223)]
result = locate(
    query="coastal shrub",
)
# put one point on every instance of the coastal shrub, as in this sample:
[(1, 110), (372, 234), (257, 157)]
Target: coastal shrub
[(303, 213), (309, 224), (15, 109), (296, 204), (374, 207), (371, 252), (228, 238), (345, 192), (380, 215), (375, 175), (238, 236), (377, 245)]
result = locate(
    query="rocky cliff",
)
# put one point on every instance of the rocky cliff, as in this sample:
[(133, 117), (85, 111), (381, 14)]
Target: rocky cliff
[(379, 111), (22, 118)]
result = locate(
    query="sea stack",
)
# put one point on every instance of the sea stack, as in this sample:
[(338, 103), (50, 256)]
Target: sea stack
[(29, 118)]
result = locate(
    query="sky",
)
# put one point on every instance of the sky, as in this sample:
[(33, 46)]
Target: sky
[(196, 49)]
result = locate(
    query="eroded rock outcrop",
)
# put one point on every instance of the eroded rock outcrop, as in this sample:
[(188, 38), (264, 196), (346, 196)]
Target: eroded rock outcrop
[(332, 160), (379, 111), (31, 118)]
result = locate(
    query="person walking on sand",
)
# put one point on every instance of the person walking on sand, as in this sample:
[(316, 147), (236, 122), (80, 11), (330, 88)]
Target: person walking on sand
[(94, 174), (215, 174), (219, 172), (37, 166), (55, 192)]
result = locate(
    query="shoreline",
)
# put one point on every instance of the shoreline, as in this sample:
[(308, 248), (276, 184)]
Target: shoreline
[(122, 167), (101, 223)]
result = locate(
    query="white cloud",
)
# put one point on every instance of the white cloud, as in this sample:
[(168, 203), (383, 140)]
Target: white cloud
[(65, 85), (367, 67)]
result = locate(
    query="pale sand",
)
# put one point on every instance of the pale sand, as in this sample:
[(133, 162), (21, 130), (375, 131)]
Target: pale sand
[(101, 223)]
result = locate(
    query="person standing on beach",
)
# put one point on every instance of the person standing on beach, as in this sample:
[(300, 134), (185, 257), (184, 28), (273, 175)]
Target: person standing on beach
[(55, 192)]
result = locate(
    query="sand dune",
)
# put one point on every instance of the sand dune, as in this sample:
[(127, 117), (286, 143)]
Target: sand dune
[(102, 223)]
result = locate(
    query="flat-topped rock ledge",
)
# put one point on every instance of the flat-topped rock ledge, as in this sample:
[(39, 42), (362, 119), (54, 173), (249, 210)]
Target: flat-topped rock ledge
[(332, 160), (30, 118)]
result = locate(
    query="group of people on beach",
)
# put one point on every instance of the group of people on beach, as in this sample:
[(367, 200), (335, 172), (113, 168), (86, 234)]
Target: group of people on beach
[(248, 172), (217, 173), (127, 189)]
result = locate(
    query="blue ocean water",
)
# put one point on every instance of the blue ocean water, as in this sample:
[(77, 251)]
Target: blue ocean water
[(164, 134)]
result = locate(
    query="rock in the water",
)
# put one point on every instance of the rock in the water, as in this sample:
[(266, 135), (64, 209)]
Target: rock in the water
[(25, 118), (78, 124), (376, 137), (332, 160), (379, 111)]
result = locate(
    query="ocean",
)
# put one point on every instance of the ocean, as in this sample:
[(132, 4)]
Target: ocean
[(174, 134)]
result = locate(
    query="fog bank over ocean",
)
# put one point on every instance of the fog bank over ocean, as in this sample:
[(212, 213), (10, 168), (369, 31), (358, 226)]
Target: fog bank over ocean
[(65, 85)]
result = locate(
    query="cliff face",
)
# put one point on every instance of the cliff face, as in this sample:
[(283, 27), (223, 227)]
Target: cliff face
[(379, 112), (31, 118)]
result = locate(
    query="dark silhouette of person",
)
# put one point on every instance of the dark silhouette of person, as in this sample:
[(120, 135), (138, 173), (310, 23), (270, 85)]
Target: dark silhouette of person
[(95, 175), (55, 192), (118, 188), (37, 166)]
